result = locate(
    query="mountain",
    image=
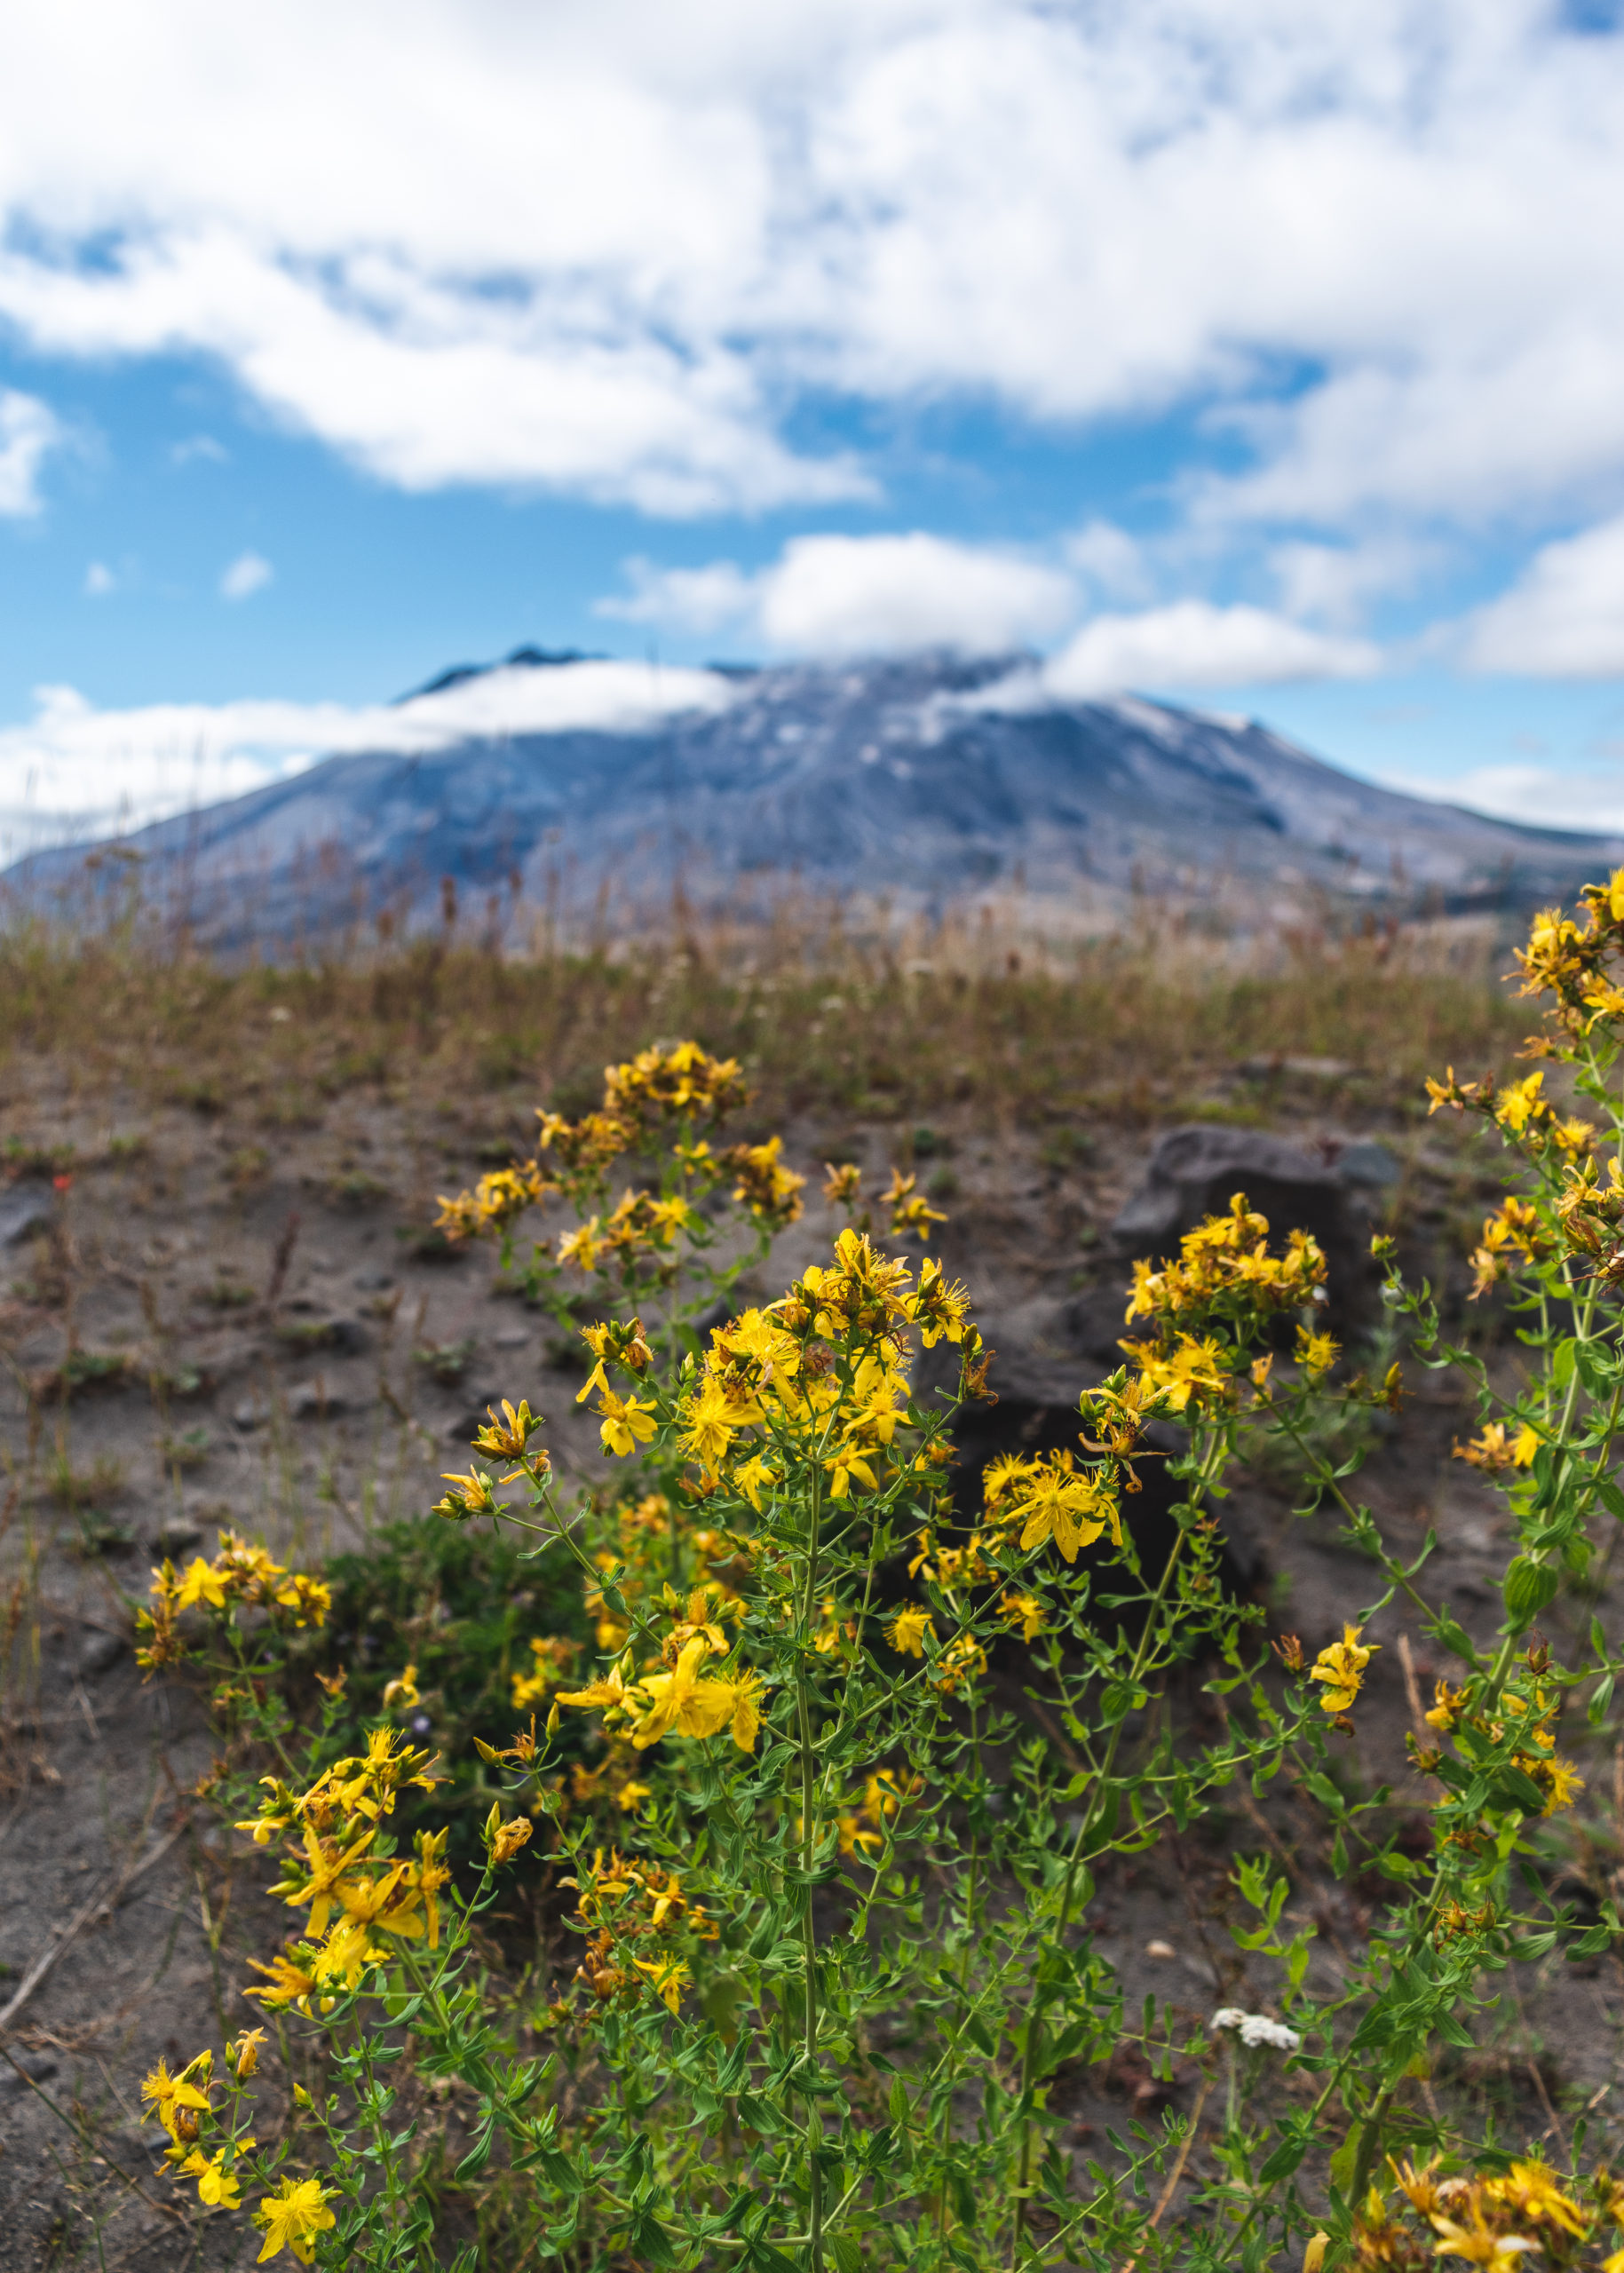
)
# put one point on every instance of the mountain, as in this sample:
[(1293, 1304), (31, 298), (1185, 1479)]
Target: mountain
[(915, 783)]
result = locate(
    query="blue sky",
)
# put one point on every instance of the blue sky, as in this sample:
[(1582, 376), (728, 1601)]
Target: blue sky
[(1269, 357)]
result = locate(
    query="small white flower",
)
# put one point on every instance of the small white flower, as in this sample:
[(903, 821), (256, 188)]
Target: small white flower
[(1256, 2028)]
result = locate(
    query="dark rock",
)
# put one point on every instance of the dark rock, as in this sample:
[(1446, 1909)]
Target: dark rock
[(100, 1653), (372, 1282), (1368, 1163), (1194, 1171), (25, 1212), (253, 1412), (39, 2067)]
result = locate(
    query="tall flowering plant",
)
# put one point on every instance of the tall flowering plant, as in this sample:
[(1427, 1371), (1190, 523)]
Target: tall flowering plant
[(862, 1733)]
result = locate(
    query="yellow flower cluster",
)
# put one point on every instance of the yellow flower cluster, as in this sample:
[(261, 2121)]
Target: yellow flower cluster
[(184, 2104), (771, 1191), (1514, 1233), (1592, 1217), (1224, 1270), (628, 1903), (770, 1389), (681, 1697), (1521, 1107), (642, 1225), (1569, 960), (332, 1869), (1500, 2220), (657, 1087), (1051, 1498), (684, 1083), (239, 1574), (553, 1659), (1494, 1449)]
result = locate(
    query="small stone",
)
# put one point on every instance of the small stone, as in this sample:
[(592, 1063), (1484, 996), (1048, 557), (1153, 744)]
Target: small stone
[(39, 2067), (174, 1538), (372, 1282), (310, 1400), (253, 1412), (512, 1337), (100, 1653), (1159, 1949)]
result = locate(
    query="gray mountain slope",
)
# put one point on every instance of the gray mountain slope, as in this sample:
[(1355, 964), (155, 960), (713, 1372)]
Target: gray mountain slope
[(919, 782)]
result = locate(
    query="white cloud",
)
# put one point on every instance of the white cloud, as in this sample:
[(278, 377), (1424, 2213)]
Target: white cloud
[(1590, 799), (29, 431), (249, 573), (687, 599), (606, 250), (100, 581), (1113, 562), (855, 595), (1193, 644), (1336, 584), (1563, 618), (74, 771), (198, 446), (830, 595)]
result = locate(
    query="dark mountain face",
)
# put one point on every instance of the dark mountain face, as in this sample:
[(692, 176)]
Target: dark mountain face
[(920, 782)]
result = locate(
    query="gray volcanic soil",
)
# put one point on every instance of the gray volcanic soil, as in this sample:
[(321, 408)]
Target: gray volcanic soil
[(153, 1907)]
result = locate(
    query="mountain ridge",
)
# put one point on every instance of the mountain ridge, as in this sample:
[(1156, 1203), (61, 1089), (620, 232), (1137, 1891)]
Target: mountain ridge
[(916, 782)]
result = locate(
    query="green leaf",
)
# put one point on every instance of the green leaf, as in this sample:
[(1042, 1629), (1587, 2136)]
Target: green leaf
[(1284, 2159), (1529, 1586)]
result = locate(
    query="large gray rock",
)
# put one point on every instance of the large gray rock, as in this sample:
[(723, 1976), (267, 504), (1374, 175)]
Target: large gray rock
[(1194, 1172), (25, 1210)]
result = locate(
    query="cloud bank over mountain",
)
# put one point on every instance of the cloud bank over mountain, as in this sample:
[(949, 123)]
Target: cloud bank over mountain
[(605, 249)]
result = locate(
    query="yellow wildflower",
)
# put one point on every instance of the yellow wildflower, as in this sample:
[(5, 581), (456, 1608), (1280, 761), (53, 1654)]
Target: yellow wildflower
[(1521, 1101), (684, 1699), (503, 1840), (1072, 1506), (1493, 1450), (244, 2053), (669, 1977), (1531, 2191), (909, 1630), (292, 2217), (400, 1694), (202, 1583), (1025, 1611), (473, 1495), (309, 1599), (217, 2189), (1317, 1353), (171, 2097), (1446, 1707), (1341, 1666), (627, 1421), (1562, 1781)]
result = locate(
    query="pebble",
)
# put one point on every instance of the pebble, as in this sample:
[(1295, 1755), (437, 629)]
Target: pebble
[(174, 1538), (1160, 1949), (100, 1653), (308, 1400)]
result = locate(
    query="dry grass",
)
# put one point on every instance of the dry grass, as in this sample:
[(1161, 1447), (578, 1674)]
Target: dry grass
[(1126, 1028)]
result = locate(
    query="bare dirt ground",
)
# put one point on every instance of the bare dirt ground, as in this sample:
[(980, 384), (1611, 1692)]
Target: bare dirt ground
[(208, 1326)]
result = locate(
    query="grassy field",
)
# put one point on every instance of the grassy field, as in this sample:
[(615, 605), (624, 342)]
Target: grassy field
[(1126, 1029)]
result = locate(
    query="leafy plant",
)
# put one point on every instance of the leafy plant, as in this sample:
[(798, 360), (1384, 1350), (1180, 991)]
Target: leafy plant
[(826, 1966)]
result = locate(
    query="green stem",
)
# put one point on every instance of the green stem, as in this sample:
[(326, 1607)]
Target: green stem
[(809, 1939), (1035, 2016)]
